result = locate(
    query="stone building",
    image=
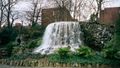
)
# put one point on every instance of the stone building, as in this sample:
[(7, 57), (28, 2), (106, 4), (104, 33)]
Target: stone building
[(109, 15), (55, 14)]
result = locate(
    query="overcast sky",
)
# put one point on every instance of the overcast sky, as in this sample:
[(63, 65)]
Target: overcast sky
[(112, 3), (25, 5)]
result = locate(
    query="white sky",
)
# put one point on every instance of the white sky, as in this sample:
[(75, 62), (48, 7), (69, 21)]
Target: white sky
[(113, 3), (22, 5), (25, 5)]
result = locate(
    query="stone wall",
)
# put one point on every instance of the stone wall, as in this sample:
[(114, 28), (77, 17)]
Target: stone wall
[(45, 63)]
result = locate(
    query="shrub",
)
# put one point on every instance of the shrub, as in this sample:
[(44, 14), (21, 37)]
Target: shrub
[(9, 47), (117, 55), (32, 32), (37, 31), (18, 50), (112, 48), (96, 59), (7, 35), (117, 35), (108, 50), (27, 55), (85, 51), (33, 43), (63, 52), (96, 35)]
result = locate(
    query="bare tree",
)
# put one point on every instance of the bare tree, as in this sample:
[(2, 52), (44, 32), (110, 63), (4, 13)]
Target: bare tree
[(78, 4), (99, 7), (13, 17), (63, 5), (10, 4), (34, 14), (2, 9), (81, 9), (6, 7)]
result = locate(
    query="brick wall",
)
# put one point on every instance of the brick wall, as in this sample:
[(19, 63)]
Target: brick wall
[(55, 14), (109, 15)]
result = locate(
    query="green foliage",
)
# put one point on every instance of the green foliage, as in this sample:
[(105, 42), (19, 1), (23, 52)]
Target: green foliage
[(108, 51), (96, 59), (117, 55), (32, 32), (93, 17), (89, 39), (96, 35), (112, 48), (117, 34), (85, 51), (54, 58), (39, 41), (88, 35), (7, 35), (26, 47), (30, 38), (26, 56), (63, 52), (18, 50), (9, 47), (32, 44)]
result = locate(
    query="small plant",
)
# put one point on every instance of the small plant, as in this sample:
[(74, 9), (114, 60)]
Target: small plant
[(84, 51), (117, 55), (32, 44), (63, 52), (27, 55), (108, 51), (18, 50)]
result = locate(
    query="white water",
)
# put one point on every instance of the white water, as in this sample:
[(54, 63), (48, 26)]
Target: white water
[(60, 34)]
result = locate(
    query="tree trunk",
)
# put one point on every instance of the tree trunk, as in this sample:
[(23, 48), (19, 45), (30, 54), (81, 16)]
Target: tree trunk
[(99, 3), (8, 14)]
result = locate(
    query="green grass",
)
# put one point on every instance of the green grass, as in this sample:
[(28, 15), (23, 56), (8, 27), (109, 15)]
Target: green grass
[(97, 59), (26, 56)]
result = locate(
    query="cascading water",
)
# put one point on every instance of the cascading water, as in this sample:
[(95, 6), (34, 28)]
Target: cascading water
[(58, 35)]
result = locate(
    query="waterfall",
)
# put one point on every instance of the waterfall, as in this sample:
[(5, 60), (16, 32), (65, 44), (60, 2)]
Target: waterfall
[(58, 35)]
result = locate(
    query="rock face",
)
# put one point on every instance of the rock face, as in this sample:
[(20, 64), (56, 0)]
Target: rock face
[(96, 35), (60, 34)]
